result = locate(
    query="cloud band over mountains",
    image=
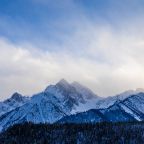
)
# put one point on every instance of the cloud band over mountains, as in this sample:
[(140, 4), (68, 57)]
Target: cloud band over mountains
[(100, 45)]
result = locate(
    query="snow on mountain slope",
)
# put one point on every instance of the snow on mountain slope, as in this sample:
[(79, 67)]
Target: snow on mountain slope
[(129, 109), (78, 97), (106, 102), (133, 105), (86, 92), (66, 93), (49, 106), (135, 102), (90, 98), (98, 115), (16, 100), (84, 117), (63, 99), (43, 107)]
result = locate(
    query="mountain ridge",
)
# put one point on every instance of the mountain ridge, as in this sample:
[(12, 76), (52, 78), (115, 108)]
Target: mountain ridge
[(66, 99)]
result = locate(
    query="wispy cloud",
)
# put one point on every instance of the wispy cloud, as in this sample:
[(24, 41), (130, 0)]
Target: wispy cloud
[(104, 60), (105, 52)]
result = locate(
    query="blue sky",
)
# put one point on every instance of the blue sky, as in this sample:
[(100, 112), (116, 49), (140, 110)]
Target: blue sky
[(44, 21), (99, 43)]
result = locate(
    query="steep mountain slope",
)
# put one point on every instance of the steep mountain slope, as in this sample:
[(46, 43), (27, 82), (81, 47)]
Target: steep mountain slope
[(133, 105), (42, 108), (129, 109), (106, 102), (98, 115), (86, 92), (84, 117), (77, 97), (66, 93), (47, 107), (71, 103), (15, 101), (90, 98)]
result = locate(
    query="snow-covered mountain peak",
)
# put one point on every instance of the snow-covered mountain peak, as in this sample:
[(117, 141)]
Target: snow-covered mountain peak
[(16, 96), (86, 92), (16, 100), (61, 85), (64, 99), (75, 96), (63, 82)]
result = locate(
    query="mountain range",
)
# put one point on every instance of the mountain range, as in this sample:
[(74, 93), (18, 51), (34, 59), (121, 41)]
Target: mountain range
[(71, 103)]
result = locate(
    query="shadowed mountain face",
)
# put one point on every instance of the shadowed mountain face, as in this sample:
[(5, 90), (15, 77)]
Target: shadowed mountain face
[(129, 109), (72, 103), (86, 92), (50, 105), (94, 116), (106, 102), (15, 101)]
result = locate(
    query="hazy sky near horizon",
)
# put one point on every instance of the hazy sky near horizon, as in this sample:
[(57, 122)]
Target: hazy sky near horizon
[(99, 43)]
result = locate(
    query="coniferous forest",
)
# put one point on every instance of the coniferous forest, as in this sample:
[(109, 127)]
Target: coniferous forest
[(100, 133)]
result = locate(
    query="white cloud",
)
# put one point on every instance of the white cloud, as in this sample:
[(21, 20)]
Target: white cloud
[(28, 71), (106, 60)]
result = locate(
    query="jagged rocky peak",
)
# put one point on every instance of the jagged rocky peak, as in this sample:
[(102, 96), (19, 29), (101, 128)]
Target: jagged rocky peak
[(67, 89), (64, 91), (17, 96), (84, 90), (73, 89), (66, 98), (16, 100), (63, 83)]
